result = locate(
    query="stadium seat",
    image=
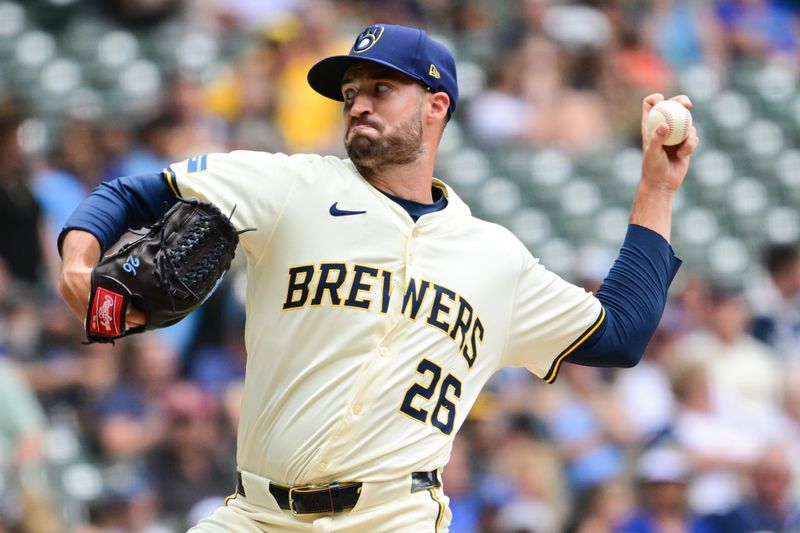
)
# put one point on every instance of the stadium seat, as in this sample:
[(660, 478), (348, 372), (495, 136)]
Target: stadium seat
[(467, 167), (782, 225), (196, 52), (728, 259), (142, 78), (558, 255), (698, 226), (611, 224), (703, 84), (499, 197), (713, 170), (12, 24), (32, 51), (117, 48), (60, 77), (452, 139), (730, 112), (471, 80), (763, 140), (82, 481), (627, 168), (531, 225)]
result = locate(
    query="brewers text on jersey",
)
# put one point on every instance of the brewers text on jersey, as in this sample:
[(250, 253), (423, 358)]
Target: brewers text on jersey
[(447, 311)]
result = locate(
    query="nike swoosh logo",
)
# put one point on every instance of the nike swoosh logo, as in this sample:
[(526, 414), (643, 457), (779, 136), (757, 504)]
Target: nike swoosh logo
[(335, 211)]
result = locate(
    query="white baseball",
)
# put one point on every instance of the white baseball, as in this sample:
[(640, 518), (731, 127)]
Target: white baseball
[(676, 116)]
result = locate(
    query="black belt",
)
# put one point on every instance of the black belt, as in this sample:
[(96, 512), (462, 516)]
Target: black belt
[(330, 497)]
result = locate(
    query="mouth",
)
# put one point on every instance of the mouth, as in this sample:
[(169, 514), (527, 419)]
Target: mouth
[(365, 130)]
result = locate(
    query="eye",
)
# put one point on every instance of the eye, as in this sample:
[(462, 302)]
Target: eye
[(348, 95), (381, 88)]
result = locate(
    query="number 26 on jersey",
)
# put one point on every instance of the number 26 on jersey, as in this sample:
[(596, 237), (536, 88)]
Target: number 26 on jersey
[(443, 415)]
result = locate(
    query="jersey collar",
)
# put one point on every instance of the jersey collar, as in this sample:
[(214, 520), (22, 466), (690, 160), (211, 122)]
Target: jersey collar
[(451, 217)]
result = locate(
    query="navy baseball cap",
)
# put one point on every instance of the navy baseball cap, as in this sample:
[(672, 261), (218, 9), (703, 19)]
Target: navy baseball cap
[(408, 50)]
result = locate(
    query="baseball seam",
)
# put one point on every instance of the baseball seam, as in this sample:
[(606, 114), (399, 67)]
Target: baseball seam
[(668, 117), (686, 119)]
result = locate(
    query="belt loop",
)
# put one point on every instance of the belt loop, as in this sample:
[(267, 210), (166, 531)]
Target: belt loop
[(424, 480), (336, 497)]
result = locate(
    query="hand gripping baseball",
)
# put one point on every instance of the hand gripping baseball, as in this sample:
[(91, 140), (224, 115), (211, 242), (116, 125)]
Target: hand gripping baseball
[(665, 167)]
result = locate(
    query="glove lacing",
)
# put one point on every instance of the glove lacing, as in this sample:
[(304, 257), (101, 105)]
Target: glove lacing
[(184, 249)]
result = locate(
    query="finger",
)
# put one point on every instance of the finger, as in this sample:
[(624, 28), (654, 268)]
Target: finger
[(647, 105), (658, 137), (684, 100), (651, 100), (134, 318), (688, 146)]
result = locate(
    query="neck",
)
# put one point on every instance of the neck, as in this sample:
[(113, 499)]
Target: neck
[(409, 182)]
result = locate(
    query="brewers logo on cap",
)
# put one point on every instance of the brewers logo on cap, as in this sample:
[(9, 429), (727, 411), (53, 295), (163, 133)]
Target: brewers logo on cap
[(367, 38)]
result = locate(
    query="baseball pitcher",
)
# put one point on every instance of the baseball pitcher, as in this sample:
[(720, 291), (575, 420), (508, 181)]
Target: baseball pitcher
[(377, 306)]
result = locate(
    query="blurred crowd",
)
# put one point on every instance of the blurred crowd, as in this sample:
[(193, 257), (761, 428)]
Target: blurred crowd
[(139, 436)]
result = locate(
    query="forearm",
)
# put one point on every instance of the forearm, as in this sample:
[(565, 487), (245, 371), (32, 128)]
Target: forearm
[(79, 248), (80, 251), (652, 209), (633, 294)]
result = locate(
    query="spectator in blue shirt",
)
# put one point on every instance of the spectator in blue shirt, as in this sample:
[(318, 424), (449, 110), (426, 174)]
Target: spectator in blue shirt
[(771, 507)]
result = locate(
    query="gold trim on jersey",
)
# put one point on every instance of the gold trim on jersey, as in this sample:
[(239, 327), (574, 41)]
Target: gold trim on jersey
[(550, 377), (171, 181), (440, 515), (439, 185)]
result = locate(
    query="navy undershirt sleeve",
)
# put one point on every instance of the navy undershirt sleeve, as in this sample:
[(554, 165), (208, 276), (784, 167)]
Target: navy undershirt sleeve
[(115, 206), (633, 295)]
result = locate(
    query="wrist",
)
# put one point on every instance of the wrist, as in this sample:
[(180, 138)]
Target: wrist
[(652, 208), (664, 190)]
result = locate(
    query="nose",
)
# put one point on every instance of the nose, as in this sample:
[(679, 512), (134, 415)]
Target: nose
[(360, 105)]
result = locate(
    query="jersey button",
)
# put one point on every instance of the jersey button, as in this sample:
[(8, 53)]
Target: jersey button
[(415, 232), (323, 466), (383, 351), (410, 259), (357, 408)]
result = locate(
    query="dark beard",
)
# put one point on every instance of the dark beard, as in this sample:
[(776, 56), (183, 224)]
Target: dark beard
[(372, 156)]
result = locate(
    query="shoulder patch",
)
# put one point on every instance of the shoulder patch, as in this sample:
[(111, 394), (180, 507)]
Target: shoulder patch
[(198, 163)]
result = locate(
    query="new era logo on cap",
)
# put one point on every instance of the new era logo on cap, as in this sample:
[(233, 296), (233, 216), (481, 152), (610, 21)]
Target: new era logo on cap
[(408, 50)]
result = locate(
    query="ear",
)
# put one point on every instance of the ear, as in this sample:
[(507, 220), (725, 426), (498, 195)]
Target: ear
[(439, 105)]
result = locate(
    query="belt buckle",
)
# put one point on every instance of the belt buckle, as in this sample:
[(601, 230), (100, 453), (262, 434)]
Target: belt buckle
[(301, 489)]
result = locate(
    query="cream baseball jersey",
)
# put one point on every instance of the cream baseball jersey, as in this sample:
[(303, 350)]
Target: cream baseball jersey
[(370, 336)]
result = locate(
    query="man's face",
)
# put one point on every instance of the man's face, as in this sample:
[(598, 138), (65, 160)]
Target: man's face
[(383, 117)]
